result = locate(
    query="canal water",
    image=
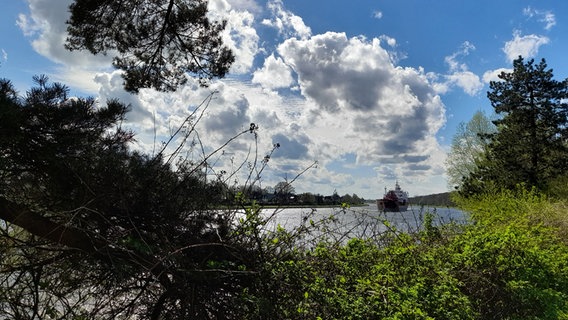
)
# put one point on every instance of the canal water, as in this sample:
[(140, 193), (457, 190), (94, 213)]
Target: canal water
[(363, 222)]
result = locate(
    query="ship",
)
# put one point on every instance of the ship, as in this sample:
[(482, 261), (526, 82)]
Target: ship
[(395, 200)]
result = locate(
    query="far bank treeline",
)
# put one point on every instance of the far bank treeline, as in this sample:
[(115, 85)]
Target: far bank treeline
[(284, 193), (443, 199)]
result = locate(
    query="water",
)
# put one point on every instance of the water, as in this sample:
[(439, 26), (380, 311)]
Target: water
[(364, 222)]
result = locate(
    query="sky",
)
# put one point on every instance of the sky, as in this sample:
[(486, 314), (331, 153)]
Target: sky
[(360, 93)]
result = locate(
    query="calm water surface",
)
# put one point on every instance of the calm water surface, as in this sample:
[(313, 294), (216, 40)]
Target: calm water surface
[(364, 221)]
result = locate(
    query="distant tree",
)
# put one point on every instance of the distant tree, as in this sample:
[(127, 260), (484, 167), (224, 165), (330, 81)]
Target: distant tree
[(256, 192), (320, 199), (356, 199), (268, 190), (307, 198), (530, 145), (284, 187), (468, 147), (250, 192), (335, 197), (157, 43), (347, 198), (284, 190)]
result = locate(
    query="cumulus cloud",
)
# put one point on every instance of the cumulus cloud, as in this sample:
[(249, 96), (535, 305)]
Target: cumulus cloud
[(337, 72), (214, 115), (239, 35), (353, 100), (377, 14), (292, 146), (544, 16), (274, 74), (228, 120), (287, 23), (363, 103), (46, 27), (110, 86), (247, 5), (467, 80), (526, 46)]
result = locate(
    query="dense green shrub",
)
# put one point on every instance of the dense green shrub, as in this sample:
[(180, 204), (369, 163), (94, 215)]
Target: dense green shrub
[(362, 280), (510, 262), (513, 260), (512, 273)]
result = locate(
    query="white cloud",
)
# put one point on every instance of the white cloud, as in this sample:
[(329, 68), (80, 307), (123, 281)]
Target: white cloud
[(452, 61), (29, 25), (47, 29), (377, 14), (394, 54), (382, 114), (45, 26), (110, 86), (287, 23), (550, 20), (4, 55), (239, 35), (155, 116), (460, 75), (389, 40), (467, 80), (441, 87), (547, 17), (526, 46), (274, 74), (82, 78), (493, 75), (244, 5), (366, 106)]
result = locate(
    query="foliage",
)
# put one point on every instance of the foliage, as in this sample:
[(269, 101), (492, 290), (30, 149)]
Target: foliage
[(443, 199), (510, 273), (107, 224), (156, 43), (468, 146), (513, 260), (530, 143), (363, 281), (558, 187), (510, 263)]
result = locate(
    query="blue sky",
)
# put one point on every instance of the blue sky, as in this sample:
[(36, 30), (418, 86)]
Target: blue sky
[(371, 90)]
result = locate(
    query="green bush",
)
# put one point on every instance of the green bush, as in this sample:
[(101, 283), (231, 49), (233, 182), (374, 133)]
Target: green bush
[(512, 272), (361, 280), (508, 263), (513, 259)]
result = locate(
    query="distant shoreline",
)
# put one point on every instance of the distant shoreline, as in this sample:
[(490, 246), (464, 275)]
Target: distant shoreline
[(443, 199), (299, 206)]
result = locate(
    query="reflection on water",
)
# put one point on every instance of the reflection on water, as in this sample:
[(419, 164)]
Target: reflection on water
[(363, 222)]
